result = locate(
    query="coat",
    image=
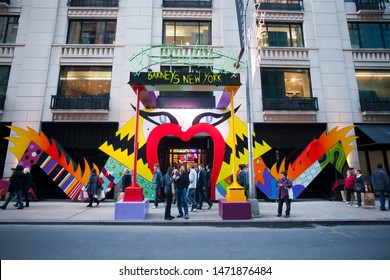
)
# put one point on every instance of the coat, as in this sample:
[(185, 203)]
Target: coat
[(381, 180), (126, 181), (17, 181), (92, 185), (349, 182), (283, 190)]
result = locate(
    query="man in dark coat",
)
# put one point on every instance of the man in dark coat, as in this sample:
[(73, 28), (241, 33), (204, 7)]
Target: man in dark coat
[(202, 186), (16, 185), (381, 184), (284, 184)]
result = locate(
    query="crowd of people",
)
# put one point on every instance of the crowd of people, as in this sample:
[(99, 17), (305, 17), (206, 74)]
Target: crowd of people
[(182, 188), (356, 183)]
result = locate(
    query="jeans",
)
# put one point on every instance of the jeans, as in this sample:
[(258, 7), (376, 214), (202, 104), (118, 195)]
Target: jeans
[(288, 205), (168, 204), (157, 195), (382, 199), (182, 201), (359, 198), (191, 198), (203, 198), (11, 195)]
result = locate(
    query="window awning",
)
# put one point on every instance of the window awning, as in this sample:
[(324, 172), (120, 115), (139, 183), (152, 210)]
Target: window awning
[(379, 133)]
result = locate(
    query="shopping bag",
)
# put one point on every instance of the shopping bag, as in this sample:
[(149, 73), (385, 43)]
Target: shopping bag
[(368, 199), (343, 196), (80, 197), (85, 195), (121, 195)]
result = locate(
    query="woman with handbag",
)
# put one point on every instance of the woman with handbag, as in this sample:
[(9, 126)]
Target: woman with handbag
[(360, 186), (349, 186)]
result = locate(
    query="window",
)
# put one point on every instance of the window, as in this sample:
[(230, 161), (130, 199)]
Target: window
[(91, 32), (187, 32), (373, 84), (282, 83), (4, 76), (8, 29), (84, 81), (369, 35), (281, 35)]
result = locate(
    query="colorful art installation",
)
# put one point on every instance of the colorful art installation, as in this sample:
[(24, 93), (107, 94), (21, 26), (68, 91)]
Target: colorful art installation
[(33, 148)]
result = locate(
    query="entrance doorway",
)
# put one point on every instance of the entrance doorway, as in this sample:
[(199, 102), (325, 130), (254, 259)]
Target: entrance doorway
[(172, 151)]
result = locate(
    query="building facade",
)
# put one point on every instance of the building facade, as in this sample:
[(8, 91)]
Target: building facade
[(321, 64)]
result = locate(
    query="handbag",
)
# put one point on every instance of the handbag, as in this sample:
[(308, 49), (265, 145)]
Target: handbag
[(368, 199)]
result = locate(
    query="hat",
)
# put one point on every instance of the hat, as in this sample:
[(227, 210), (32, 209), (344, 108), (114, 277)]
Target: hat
[(283, 173), (127, 171), (379, 165)]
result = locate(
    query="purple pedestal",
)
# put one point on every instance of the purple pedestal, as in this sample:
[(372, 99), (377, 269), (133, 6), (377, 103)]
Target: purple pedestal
[(137, 210), (234, 210)]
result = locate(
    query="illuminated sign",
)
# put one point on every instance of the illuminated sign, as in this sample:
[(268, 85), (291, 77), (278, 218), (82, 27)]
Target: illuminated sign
[(175, 78)]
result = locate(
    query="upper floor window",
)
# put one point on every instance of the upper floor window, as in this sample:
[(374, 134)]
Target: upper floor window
[(280, 5), (281, 35), (282, 83), (369, 35), (93, 3), (8, 29), (91, 32), (84, 81), (187, 32), (4, 76), (373, 84), (187, 3)]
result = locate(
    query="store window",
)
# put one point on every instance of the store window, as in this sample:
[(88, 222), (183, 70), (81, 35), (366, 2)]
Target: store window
[(187, 32), (369, 35), (280, 35), (91, 32), (83, 81), (282, 83), (8, 29)]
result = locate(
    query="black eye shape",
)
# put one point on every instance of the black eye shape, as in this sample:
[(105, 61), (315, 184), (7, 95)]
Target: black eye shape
[(222, 116)]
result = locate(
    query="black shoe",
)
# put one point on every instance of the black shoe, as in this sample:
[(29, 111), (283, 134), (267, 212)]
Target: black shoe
[(383, 209), (287, 216), (89, 205), (186, 217), (279, 215), (27, 205), (16, 204), (3, 207), (210, 207), (168, 218), (171, 217), (20, 207), (179, 216), (97, 203)]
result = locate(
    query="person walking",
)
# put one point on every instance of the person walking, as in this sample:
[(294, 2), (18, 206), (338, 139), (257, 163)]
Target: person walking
[(284, 184), (17, 183), (192, 188), (92, 188), (349, 184), (168, 182), (359, 187), (382, 184), (26, 188), (202, 185), (181, 183), (157, 184)]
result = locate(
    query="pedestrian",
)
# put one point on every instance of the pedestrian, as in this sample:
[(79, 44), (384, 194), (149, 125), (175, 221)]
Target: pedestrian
[(243, 179), (27, 186), (92, 188), (193, 178), (181, 184), (208, 177), (126, 180), (202, 183), (17, 183), (349, 184), (382, 184), (359, 186), (168, 182), (157, 184), (284, 185)]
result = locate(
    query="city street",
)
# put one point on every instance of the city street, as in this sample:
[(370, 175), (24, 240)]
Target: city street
[(125, 242)]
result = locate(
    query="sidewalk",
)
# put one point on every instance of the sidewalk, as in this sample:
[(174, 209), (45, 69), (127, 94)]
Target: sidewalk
[(303, 213)]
